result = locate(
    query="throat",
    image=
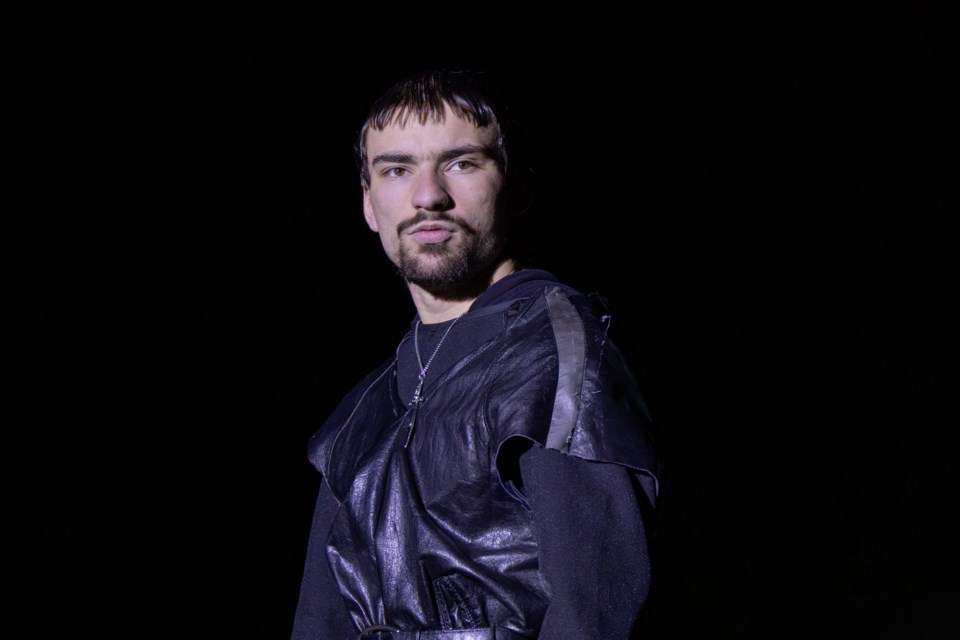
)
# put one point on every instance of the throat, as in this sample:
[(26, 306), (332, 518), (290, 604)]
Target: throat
[(437, 304)]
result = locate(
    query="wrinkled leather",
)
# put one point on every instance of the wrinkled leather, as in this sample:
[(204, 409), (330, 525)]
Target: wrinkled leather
[(465, 634), (427, 535)]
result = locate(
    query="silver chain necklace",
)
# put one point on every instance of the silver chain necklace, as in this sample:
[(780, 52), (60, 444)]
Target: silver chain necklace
[(414, 405), (417, 397)]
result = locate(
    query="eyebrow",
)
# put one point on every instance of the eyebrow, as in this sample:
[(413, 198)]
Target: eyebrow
[(443, 156)]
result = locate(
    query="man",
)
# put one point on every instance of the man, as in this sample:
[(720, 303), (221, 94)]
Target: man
[(496, 477)]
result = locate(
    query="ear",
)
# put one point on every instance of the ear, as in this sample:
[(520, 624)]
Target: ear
[(368, 210)]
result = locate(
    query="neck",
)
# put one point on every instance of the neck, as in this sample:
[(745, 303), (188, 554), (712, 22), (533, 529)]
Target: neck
[(434, 308)]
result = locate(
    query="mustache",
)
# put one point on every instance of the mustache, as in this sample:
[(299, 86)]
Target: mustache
[(435, 216)]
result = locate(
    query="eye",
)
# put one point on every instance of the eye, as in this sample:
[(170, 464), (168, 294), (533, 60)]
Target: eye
[(461, 165), (395, 172)]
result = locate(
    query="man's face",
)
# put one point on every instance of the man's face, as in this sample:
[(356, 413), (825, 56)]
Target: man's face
[(433, 198)]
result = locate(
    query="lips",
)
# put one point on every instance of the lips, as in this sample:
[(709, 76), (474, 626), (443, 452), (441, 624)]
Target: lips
[(431, 233)]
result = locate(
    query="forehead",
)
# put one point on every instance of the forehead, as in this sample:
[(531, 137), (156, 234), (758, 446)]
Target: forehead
[(427, 138)]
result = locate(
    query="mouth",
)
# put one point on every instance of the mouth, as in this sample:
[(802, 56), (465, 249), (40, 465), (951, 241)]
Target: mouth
[(431, 232)]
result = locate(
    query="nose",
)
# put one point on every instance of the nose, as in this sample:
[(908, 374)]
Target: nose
[(430, 192)]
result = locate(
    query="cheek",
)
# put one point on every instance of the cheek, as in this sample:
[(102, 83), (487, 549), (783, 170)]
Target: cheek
[(485, 205), (385, 209), (383, 222)]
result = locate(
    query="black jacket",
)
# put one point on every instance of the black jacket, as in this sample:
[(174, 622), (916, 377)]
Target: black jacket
[(441, 522)]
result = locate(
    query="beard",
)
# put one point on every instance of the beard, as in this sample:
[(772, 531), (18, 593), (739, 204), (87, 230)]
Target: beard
[(448, 268)]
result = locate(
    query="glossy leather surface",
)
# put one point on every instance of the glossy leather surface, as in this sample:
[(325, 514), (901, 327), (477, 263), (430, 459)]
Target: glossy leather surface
[(428, 536)]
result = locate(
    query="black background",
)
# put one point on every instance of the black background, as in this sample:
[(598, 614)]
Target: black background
[(765, 192)]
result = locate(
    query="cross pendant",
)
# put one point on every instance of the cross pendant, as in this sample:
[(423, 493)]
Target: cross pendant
[(414, 408), (417, 398)]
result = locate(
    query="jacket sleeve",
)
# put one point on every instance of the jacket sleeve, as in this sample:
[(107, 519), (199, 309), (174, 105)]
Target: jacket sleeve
[(320, 613), (593, 549)]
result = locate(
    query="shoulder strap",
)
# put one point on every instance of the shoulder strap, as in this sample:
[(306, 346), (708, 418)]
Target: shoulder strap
[(569, 334)]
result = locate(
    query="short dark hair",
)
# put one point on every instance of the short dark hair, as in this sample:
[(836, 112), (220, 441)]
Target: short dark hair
[(471, 95)]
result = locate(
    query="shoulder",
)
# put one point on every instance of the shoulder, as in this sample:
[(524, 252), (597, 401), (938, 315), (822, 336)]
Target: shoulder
[(580, 394), (551, 353), (376, 387), (562, 317)]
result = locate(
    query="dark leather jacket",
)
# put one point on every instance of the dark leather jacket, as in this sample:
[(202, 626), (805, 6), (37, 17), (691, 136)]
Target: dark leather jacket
[(432, 532)]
